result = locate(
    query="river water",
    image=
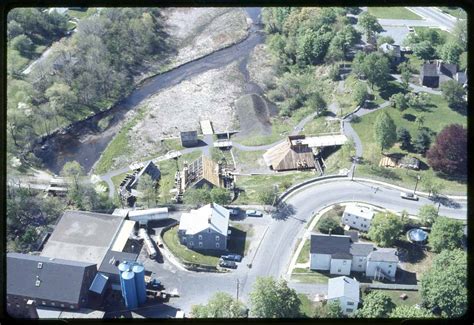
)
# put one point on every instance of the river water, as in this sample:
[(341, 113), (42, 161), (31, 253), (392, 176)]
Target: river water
[(84, 141)]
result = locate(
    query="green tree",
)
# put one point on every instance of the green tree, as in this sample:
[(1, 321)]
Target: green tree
[(23, 44), (220, 195), (271, 299), (334, 309), (431, 183), (382, 39), (460, 32), (369, 24), (148, 189), (220, 305), (197, 196), (267, 195), (424, 50), (334, 72), (72, 171), (385, 131), (385, 228), (422, 142), (420, 121), (399, 101), (316, 102), (404, 137), (428, 214), (358, 67), (360, 94), (377, 69), (444, 285), (450, 52), (409, 312), (454, 93), (330, 224), (445, 234), (405, 75), (376, 305)]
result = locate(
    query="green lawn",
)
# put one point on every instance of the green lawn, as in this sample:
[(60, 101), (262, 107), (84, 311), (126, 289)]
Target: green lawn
[(304, 254), (433, 122), (218, 154), (331, 214), (80, 14), (171, 240), (393, 13), (455, 11), (414, 297), (308, 276), (345, 99), (118, 179), (256, 183), (249, 160), (320, 125)]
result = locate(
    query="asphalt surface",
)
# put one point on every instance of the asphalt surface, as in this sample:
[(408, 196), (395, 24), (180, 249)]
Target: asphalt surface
[(435, 17)]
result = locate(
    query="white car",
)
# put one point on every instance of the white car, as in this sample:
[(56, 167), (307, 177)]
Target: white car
[(411, 30), (409, 196)]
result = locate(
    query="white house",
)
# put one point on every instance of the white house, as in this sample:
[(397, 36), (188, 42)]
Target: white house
[(346, 291), (359, 253), (382, 263), (330, 253), (358, 217)]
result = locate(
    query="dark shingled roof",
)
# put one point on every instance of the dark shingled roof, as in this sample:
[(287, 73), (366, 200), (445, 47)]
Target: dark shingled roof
[(325, 244), (384, 255), (360, 249), (150, 169), (430, 70), (353, 234), (60, 280), (112, 259)]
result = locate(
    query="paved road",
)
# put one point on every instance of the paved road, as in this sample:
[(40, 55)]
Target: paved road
[(435, 17)]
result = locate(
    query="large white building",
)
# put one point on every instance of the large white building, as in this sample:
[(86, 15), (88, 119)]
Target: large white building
[(346, 291), (337, 254), (358, 217)]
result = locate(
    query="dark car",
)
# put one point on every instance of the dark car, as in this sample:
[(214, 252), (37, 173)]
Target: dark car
[(227, 264), (232, 257), (154, 283)]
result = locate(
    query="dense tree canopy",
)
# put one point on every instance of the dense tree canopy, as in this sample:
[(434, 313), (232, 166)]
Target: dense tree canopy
[(454, 93), (445, 234), (201, 196), (148, 189), (369, 24), (410, 312), (376, 305), (220, 305), (385, 228), (444, 285), (422, 141), (272, 299), (220, 195), (428, 214), (404, 137), (449, 152)]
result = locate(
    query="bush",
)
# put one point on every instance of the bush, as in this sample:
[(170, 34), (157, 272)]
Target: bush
[(327, 224)]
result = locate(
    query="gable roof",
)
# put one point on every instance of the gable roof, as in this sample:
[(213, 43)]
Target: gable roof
[(211, 216), (387, 48), (429, 70), (360, 211), (289, 155), (343, 286), (361, 249), (335, 245), (59, 280), (149, 169), (383, 255)]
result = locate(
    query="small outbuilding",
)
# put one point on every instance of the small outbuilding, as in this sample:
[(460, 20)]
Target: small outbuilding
[(189, 138), (290, 154), (346, 291)]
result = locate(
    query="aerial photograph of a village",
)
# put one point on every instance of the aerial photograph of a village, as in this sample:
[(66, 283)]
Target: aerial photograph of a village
[(236, 162)]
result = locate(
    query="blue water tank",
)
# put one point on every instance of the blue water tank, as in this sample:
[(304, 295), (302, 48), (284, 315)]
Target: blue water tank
[(124, 266), (140, 286), (129, 291)]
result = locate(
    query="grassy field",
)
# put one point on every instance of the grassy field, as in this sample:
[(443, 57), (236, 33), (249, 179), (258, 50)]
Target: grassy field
[(248, 161), (307, 276), (320, 125), (254, 184), (331, 214), (437, 116), (344, 99), (413, 296), (393, 13), (171, 240), (218, 154), (336, 161), (80, 14), (304, 254)]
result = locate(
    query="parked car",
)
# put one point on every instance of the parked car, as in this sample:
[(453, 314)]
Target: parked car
[(409, 196), (227, 264), (154, 283), (254, 213), (233, 212), (411, 30), (232, 257)]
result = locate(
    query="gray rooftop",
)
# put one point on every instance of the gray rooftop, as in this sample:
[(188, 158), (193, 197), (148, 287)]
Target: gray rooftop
[(383, 255), (430, 70), (112, 259), (59, 280), (360, 249), (330, 244), (83, 236)]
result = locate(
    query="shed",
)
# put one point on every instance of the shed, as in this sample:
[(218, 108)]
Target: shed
[(429, 75), (289, 155), (189, 138)]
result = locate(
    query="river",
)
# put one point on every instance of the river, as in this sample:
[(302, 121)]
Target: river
[(84, 141)]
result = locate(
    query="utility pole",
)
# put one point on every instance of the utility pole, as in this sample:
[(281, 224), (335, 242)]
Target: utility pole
[(238, 284), (416, 185)]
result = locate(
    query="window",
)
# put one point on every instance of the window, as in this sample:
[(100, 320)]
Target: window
[(53, 304), (350, 303), (339, 270), (390, 265), (389, 272), (17, 306), (191, 243), (43, 302), (40, 265), (200, 244), (360, 259), (71, 306), (191, 236), (360, 265), (217, 245), (62, 305), (353, 222), (349, 310), (344, 262), (357, 217), (217, 238), (200, 237), (209, 230)]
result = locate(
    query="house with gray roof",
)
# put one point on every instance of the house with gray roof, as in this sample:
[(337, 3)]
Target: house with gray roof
[(128, 187), (339, 255), (205, 228), (434, 73), (50, 282), (346, 291), (189, 138)]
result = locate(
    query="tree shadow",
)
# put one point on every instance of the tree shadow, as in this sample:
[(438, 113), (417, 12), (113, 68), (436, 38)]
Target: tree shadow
[(405, 277), (409, 117), (461, 108), (236, 243), (370, 105), (391, 89), (445, 201), (283, 211), (410, 252)]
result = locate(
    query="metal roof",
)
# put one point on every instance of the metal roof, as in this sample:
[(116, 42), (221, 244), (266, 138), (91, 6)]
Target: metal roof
[(40, 277), (83, 236), (112, 259), (146, 212), (211, 216), (122, 237), (360, 211), (343, 286), (56, 313), (324, 140), (206, 127), (99, 283)]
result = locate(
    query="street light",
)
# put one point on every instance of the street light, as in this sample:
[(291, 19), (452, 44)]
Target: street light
[(417, 179)]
